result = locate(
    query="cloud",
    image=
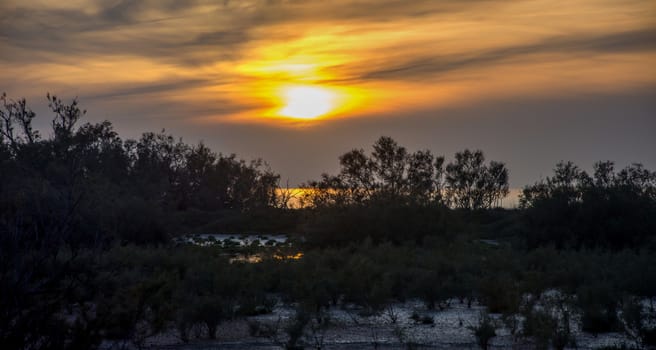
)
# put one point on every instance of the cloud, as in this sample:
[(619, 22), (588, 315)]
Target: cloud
[(152, 29), (374, 11), (220, 38), (134, 11), (630, 41), (148, 89), (181, 32), (165, 46)]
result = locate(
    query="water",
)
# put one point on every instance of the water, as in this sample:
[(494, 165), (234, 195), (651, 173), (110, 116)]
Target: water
[(235, 240)]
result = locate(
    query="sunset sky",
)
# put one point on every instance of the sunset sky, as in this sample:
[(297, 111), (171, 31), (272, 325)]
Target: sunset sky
[(299, 82)]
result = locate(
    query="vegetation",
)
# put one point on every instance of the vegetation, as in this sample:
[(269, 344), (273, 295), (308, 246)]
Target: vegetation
[(610, 209), (87, 222), (392, 175), (484, 330)]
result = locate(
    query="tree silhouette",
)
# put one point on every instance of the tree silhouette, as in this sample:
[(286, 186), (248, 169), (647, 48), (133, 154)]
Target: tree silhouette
[(470, 184)]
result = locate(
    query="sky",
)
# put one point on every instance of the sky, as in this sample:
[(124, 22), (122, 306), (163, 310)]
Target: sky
[(299, 82)]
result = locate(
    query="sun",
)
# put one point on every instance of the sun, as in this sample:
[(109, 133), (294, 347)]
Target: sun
[(306, 102)]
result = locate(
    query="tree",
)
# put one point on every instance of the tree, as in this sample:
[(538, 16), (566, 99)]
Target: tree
[(390, 164), (16, 114), (421, 177), (46, 250), (470, 184), (66, 117), (357, 175), (495, 185), (610, 209), (195, 185), (438, 182)]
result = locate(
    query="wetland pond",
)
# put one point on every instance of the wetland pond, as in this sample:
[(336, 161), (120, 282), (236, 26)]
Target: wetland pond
[(247, 248)]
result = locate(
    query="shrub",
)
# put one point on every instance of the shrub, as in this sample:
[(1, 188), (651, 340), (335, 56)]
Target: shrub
[(421, 319), (484, 330)]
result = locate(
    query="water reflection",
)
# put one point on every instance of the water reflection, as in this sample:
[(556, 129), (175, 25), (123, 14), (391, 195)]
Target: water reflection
[(235, 240), (246, 258), (258, 258), (245, 248), (296, 256)]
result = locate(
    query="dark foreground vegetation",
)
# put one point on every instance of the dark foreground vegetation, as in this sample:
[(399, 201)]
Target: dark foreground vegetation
[(87, 222)]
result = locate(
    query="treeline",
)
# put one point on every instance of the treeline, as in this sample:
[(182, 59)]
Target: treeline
[(392, 174), (398, 196), (86, 221), (393, 195), (608, 209), (113, 188), (137, 190)]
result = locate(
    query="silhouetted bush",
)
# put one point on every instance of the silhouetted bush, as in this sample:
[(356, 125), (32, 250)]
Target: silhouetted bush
[(599, 306), (610, 210), (484, 330)]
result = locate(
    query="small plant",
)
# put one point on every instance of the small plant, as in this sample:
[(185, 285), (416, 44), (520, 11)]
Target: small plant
[(256, 305), (539, 325), (562, 333), (267, 330), (598, 305), (548, 323), (421, 319), (392, 314), (513, 323), (406, 340), (295, 330), (638, 323), (484, 330)]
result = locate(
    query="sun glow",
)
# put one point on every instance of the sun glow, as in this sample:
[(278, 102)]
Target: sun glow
[(306, 102), (297, 91)]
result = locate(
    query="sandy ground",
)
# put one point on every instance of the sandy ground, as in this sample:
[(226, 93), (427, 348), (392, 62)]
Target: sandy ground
[(348, 330)]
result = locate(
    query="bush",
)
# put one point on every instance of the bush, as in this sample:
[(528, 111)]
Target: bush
[(421, 319), (598, 305), (638, 321), (548, 322), (484, 331)]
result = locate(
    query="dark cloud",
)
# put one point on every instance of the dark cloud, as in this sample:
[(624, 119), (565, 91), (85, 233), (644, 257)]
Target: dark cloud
[(220, 38), (33, 35), (133, 11), (141, 90), (631, 41), (374, 11), (30, 33), (122, 11)]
